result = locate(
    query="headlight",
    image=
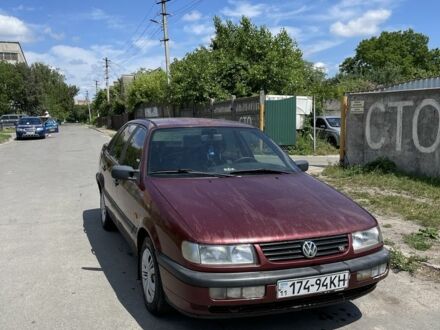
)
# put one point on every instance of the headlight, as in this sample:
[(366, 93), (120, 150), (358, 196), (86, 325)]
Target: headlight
[(218, 254), (39, 128), (363, 240)]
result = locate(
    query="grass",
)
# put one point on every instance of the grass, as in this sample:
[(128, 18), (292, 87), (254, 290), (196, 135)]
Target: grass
[(8, 130), (400, 262), (423, 239), (382, 188), (4, 137), (388, 242), (304, 146)]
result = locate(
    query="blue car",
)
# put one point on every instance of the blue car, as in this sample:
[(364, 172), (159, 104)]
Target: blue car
[(51, 126), (30, 127)]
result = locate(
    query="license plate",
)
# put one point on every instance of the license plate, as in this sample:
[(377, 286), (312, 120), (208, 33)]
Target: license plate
[(30, 133), (310, 285)]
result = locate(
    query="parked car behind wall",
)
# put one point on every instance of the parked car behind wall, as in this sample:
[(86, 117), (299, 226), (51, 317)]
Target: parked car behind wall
[(329, 128)]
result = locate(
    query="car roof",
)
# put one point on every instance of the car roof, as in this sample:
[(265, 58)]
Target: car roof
[(30, 117), (191, 122), (328, 116)]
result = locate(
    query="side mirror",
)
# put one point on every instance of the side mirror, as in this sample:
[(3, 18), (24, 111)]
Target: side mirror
[(322, 126), (123, 172), (303, 165)]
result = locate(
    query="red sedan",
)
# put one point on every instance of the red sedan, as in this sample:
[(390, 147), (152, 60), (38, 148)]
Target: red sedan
[(225, 223)]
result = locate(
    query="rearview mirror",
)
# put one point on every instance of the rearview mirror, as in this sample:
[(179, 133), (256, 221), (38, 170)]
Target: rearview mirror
[(123, 172), (303, 165)]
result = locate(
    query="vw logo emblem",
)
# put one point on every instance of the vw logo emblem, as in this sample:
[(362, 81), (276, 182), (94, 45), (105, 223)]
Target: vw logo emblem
[(309, 249)]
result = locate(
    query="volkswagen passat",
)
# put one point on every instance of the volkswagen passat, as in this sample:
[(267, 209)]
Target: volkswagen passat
[(30, 127), (225, 223)]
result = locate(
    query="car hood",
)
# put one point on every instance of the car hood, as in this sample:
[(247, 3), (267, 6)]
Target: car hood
[(30, 126), (261, 208)]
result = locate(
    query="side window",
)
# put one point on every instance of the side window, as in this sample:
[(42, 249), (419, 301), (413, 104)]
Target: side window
[(260, 150), (117, 146), (133, 153), (320, 123)]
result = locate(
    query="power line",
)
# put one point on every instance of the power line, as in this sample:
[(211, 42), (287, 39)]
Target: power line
[(185, 9)]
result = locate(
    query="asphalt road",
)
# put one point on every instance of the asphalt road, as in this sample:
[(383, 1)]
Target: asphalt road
[(59, 270)]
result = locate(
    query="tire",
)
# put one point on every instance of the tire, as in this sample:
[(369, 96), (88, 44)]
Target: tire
[(106, 221), (154, 296), (332, 141)]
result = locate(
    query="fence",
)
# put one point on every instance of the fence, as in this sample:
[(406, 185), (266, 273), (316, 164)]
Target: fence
[(280, 122)]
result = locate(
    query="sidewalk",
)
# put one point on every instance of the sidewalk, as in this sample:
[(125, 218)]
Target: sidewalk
[(317, 163), (103, 130)]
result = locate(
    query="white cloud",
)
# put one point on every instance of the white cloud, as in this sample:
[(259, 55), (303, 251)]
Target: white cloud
[(294, 32), (320, 46), (278, 14), (57, 36), (321, 66), (344, 10), (199, 29), (23, 8), (14, 29), (144, 43), (81, 66), (365, 25), (192, 16), (111, 21), (242, 8)]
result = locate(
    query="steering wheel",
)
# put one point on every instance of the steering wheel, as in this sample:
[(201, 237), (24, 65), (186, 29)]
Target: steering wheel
[(245, 160)]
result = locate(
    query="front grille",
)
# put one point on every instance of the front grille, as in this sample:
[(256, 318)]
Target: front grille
[(291, 250)]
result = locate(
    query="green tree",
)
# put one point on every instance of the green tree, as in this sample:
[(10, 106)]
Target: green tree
[(393, 57), (195, 79), (149, 87), (241, 60), (250, 58), (34, 89)]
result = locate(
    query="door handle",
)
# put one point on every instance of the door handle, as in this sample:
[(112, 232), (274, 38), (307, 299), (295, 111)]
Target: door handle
[(116, 182)]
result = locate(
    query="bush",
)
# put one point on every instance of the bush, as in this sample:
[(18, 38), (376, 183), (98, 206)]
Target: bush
[(381, 164), (399, 262)]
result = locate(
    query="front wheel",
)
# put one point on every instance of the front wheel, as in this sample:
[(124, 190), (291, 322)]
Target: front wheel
[(154, 296)]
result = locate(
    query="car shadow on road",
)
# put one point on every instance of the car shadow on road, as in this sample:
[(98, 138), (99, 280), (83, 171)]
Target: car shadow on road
[(119, 265)]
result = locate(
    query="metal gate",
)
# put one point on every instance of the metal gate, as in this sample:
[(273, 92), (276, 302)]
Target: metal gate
[(280, 120)]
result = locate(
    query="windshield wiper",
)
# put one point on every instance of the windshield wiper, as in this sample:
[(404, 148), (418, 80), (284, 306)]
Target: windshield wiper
[(260, 171), (189, 171)]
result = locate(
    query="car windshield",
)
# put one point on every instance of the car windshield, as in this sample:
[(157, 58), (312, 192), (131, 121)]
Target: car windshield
[(334, 122), (215, 151), (29, 121)]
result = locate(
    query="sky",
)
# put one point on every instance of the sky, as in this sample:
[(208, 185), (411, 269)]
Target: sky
[(75, 36)]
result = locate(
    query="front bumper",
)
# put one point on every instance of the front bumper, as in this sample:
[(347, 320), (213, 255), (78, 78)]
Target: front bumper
[(188, 290), (23, 134)]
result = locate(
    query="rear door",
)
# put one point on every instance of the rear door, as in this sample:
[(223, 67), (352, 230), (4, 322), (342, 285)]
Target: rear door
[(129, 192), (111, 157)]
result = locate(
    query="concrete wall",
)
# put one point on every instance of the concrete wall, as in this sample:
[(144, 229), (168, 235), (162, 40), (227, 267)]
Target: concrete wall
[(402, 126)]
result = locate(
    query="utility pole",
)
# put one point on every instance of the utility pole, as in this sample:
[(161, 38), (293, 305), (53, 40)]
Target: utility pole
[(88, 106), (96, 87), (314, 126), (165, 37), (106, 80)]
